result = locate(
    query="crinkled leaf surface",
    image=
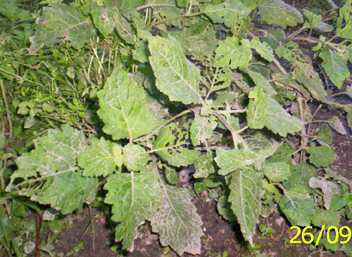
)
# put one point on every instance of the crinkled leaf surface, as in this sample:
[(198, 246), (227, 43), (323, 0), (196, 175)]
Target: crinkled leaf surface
[(49, 171), (263, 49), (59, 23), (124, 107), (335, 67), (264, 110), (236, 159), (170, 146), (229, 12), (135, 157), (297, 206), (175, 75), (321, 156), (204, 166), (344, 22), (277, 12), (66, 192), (202, 129), (232, 53), (134, 197), (309, 78), (245, 199), (101, 158), (277, 171), (177, 221), (198, 40)]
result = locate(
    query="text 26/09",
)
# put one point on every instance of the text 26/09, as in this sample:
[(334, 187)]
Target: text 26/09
[(333, 234)]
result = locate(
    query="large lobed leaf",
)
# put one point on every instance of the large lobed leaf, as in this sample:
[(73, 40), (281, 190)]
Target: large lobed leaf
[(175, 75), (48, 174), (60, 23), (124, 107), (135, 198)]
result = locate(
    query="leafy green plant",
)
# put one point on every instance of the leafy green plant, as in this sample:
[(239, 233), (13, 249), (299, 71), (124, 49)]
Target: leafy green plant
[(185, 83)]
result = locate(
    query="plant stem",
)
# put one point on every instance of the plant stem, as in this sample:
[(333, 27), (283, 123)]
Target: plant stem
[(7, 109), (142, 7), (154, 131), (236, 138)]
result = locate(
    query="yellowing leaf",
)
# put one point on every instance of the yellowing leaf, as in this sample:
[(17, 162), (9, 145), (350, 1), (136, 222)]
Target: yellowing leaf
[(175, 75)]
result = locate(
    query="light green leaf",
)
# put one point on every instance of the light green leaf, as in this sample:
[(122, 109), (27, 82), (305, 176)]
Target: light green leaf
[(229, 12), (263, 49), (124, 108), (60, 23), (177, 221), (236, 159), (266, 111), (202, 129), (335, 67), (277, 12), (231, 53), (245, 198), (49, 171), (321, 156), (135, 157), (298, 207), (134, 197), (261, 81), (314, 21), (277, 171), (204, 166), (100, 158), (67, 192), (231, 160), (169, 145), (258, 108), (175, 75), (309, 78), (344, 21), (326, 217)]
